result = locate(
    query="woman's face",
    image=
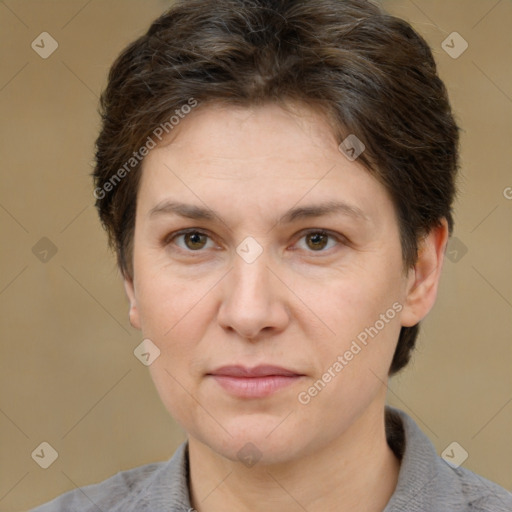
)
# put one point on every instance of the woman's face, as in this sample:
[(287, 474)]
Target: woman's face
[(292, 260)]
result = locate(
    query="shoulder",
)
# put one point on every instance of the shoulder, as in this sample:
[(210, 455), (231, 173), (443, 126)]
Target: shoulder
[(480, 494), (124, 490), (427, 482), (104, 495)]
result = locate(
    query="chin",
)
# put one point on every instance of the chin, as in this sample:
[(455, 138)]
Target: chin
[(258, 439)]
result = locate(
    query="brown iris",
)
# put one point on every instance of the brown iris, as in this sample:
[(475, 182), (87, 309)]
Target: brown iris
[(195, 240), (316, 241)]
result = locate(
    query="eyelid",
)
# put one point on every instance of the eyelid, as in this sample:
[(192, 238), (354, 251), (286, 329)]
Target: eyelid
[(171, 236)]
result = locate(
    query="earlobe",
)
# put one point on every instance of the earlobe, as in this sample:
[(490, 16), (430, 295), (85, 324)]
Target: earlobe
[(424, 278), (134, 312)]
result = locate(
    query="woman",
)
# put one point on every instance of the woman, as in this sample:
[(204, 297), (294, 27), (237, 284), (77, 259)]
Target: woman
[(277, 179)]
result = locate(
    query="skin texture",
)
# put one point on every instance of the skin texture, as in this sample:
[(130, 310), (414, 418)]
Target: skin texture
[(298, 306)]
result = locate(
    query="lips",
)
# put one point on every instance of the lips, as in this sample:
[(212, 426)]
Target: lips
[(258, 371), (258, 382)]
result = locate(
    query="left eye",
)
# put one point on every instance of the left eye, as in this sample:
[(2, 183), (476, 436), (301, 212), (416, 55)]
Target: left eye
[(317, 241)]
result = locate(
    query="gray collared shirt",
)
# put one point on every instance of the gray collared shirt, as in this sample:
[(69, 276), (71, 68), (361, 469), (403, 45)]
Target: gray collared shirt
[(426, 483)]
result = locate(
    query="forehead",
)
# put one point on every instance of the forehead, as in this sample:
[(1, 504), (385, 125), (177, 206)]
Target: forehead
[(221, 132), (260, 158)]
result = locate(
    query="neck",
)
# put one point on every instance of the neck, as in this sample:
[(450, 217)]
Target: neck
[(358, 472)]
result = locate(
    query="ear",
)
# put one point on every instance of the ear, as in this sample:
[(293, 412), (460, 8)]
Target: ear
[(423, 279), (130, 293)]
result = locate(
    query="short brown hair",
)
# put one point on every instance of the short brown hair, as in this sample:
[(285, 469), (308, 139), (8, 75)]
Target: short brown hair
[(370, 73)]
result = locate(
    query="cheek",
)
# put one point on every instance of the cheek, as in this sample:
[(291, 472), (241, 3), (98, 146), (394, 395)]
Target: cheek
[(352, 358), (165, 299), (350, 303), (351, 366), (174, 316)]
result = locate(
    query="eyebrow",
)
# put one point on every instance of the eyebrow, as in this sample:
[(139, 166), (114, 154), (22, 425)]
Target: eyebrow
[(190, 211)]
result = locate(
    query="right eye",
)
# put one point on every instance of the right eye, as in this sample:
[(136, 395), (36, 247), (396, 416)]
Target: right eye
[(192, 240)]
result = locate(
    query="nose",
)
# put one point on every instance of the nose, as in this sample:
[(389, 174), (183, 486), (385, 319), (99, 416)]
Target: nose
[(253, 300)]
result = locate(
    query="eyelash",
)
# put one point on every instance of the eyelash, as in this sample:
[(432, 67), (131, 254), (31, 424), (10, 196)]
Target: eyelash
[(341, 240)]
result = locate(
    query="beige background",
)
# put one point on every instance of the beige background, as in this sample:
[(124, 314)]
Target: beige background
[(68, 375)]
